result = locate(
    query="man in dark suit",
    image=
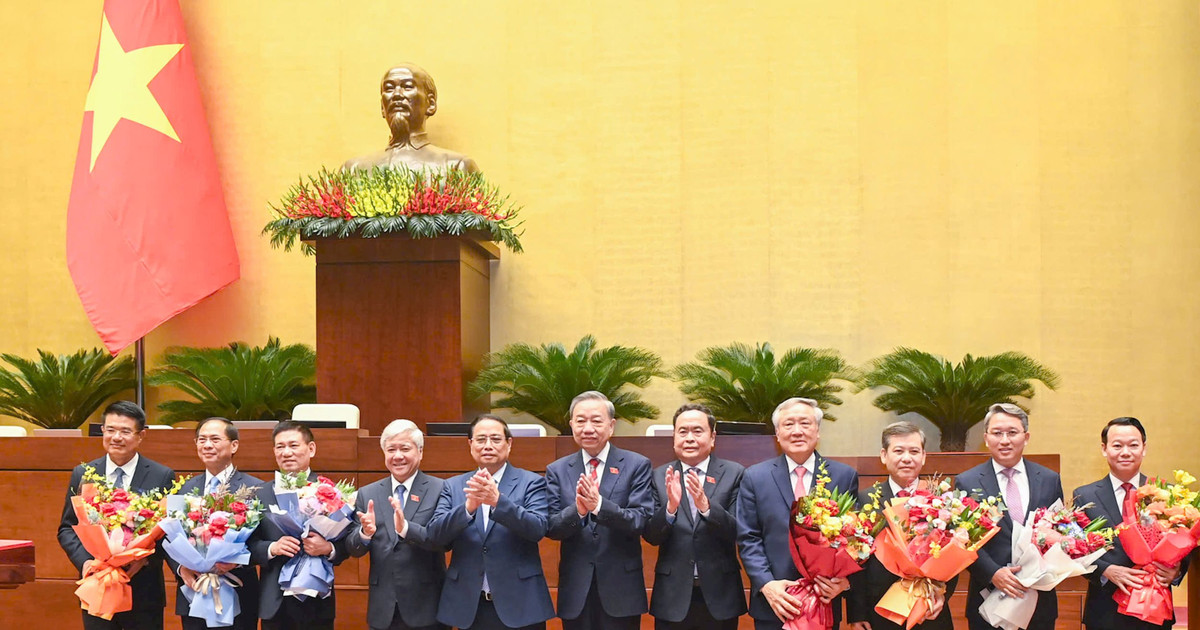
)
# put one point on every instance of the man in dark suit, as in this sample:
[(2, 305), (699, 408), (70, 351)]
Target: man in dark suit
[(765, 499), (1123, 442), (216, 443), (124, 430), (903, 454), (492, 520), (406, 578), (697, 580), (1025, 486), (270, 548), (600, 499)]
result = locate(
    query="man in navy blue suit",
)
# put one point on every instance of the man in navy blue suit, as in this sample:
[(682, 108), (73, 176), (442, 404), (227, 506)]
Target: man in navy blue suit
[(1123, 442), (216, 443), (764, 510), (600, 500), (1025, 486), (491, 520), (124, 429)]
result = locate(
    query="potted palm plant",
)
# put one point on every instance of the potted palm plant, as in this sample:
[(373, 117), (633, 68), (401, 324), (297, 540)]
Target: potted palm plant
[(542, 380), (60, 392), (238, 381), (741, 383), (954, 397)]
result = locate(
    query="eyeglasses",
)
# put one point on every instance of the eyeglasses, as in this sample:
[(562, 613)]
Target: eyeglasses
[(1010, 434), (215, 441), (113, 431), (488, 439)]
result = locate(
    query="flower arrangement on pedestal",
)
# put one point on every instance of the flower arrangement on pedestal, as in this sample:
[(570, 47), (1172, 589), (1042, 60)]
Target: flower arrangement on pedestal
[(372, 203)]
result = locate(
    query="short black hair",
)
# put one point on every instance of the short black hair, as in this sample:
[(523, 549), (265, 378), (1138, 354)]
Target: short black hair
[(712, 420), (1123, 421), (126, 409), (231, 432), (292, 425), (487, 416)]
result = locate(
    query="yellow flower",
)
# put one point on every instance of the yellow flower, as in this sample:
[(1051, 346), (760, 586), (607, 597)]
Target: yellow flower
[(1184, 477)]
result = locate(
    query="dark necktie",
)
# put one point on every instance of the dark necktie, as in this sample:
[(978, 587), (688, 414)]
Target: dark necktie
[(119, 479), (693, 469), (1127, 509)]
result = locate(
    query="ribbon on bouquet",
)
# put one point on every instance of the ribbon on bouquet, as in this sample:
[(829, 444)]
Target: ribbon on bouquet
[(908, 601), (104, 590), (209, 584), (1151, 602), (814, 613)]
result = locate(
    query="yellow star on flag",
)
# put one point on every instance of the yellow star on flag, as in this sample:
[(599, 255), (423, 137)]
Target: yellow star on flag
[(121, 89)]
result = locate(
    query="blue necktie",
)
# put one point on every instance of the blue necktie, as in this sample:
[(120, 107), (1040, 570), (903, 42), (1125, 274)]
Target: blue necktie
[(119, 479), (400, 491), (213, 482)]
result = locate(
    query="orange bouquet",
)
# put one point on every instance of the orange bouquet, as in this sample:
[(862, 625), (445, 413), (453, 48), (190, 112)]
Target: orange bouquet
[(117, 527), (929, 538)]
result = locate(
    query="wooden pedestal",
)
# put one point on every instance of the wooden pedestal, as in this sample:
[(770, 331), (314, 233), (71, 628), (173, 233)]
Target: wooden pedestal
[(402, 326)]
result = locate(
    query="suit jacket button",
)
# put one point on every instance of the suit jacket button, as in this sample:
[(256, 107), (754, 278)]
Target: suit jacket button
[(485, 550)]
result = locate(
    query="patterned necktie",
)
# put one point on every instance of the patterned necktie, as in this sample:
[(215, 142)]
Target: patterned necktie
[(119, 479), (801, 489), (594, 464), (1127, 505), (692, 504), (1012, 496)]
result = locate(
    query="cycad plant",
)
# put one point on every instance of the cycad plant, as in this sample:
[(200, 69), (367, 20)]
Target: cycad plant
[(542, 380), (953, 397), (61, 392), (237, 381), (741, 383)]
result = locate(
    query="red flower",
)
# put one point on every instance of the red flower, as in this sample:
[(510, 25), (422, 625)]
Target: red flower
[(325, 480), (327, 493), (108, 509), (986, 522), (146, 513), (1082, 519), (237, 507), (218, 525), (239, 519), (194, 515), (970, 503)]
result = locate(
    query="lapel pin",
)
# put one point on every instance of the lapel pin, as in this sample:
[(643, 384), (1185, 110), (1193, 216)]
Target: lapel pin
[(709, 479), (612, 470), (415, 497)]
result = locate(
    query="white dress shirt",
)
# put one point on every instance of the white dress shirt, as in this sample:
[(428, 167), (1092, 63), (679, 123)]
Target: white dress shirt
[(407, 483), (1022, 482), (110, 470), (896, 488), (1120, 492), (810, 468), (223, 477)]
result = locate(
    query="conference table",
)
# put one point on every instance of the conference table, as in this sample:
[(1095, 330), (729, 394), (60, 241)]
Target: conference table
[(16, 563)]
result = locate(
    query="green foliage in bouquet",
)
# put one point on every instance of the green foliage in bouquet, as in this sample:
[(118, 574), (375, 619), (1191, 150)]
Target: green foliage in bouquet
[(953, 397), (744, 384), (237, 381), (372, 203), (61, 392), (542, 380)]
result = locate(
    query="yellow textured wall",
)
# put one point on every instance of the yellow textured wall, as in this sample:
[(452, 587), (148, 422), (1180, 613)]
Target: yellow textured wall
[(955, 176)]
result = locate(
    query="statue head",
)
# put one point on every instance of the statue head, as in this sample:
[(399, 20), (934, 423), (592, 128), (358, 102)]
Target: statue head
[(407, 97)]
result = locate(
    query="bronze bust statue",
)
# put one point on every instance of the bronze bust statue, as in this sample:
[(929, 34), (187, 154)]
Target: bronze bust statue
[(407, 98)]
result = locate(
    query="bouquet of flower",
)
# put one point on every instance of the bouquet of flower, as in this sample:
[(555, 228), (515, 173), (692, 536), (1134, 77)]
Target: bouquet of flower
[(1053, 544), (1164, 528), (927, 539), (203, 530), (829, 538), (118, 527), (324, 507)]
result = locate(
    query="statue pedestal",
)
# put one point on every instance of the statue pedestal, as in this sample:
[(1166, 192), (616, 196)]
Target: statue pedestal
[(403, 325)]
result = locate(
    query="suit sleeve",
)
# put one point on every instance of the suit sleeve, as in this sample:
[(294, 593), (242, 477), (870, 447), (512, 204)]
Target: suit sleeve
[(984, 567), (857, 604), (564, 520), (67, 539), (751, 546), (657, 526), (721, 518), (528, 519), (356, 547), (632, 517), (449, 520), (1083, 497)]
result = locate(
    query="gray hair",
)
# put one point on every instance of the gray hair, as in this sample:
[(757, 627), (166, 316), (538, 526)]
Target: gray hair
[(402, 427), (1009, 409), (792, 402), (901, 428), (592, 395)]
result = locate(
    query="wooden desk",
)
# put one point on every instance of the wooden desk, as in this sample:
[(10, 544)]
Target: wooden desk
[(16, 563)]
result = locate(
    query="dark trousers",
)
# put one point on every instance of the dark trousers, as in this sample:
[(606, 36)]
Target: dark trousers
[(398, 623), (593, 616), (130, 620), (698, 617), (487, 619), (240, 622), (294, 615)]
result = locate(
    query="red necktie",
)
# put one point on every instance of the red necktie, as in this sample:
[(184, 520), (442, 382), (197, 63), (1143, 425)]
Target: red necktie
[(903, 493), (595, 464), (1127, 511)]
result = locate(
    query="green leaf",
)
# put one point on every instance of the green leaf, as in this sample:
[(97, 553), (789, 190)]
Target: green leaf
[(61, 392)]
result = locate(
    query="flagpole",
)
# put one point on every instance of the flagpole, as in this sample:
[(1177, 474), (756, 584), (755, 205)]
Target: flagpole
[(139, 359)]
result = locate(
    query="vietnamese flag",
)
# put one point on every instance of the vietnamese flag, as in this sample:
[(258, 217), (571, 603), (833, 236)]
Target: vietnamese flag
[(148, 234)]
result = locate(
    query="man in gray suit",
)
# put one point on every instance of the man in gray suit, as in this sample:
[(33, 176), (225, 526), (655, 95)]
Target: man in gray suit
[(697, 580), (406, 576)]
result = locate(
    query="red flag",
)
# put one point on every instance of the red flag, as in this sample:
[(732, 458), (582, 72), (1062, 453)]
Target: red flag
[(148, 234)]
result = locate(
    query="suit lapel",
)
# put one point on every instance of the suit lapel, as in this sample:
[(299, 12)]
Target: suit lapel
[(1108, 499), (419, 485), (508, 483), (779, 472), (988, 480), (616, 459), (685, 500), (139, 475)]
